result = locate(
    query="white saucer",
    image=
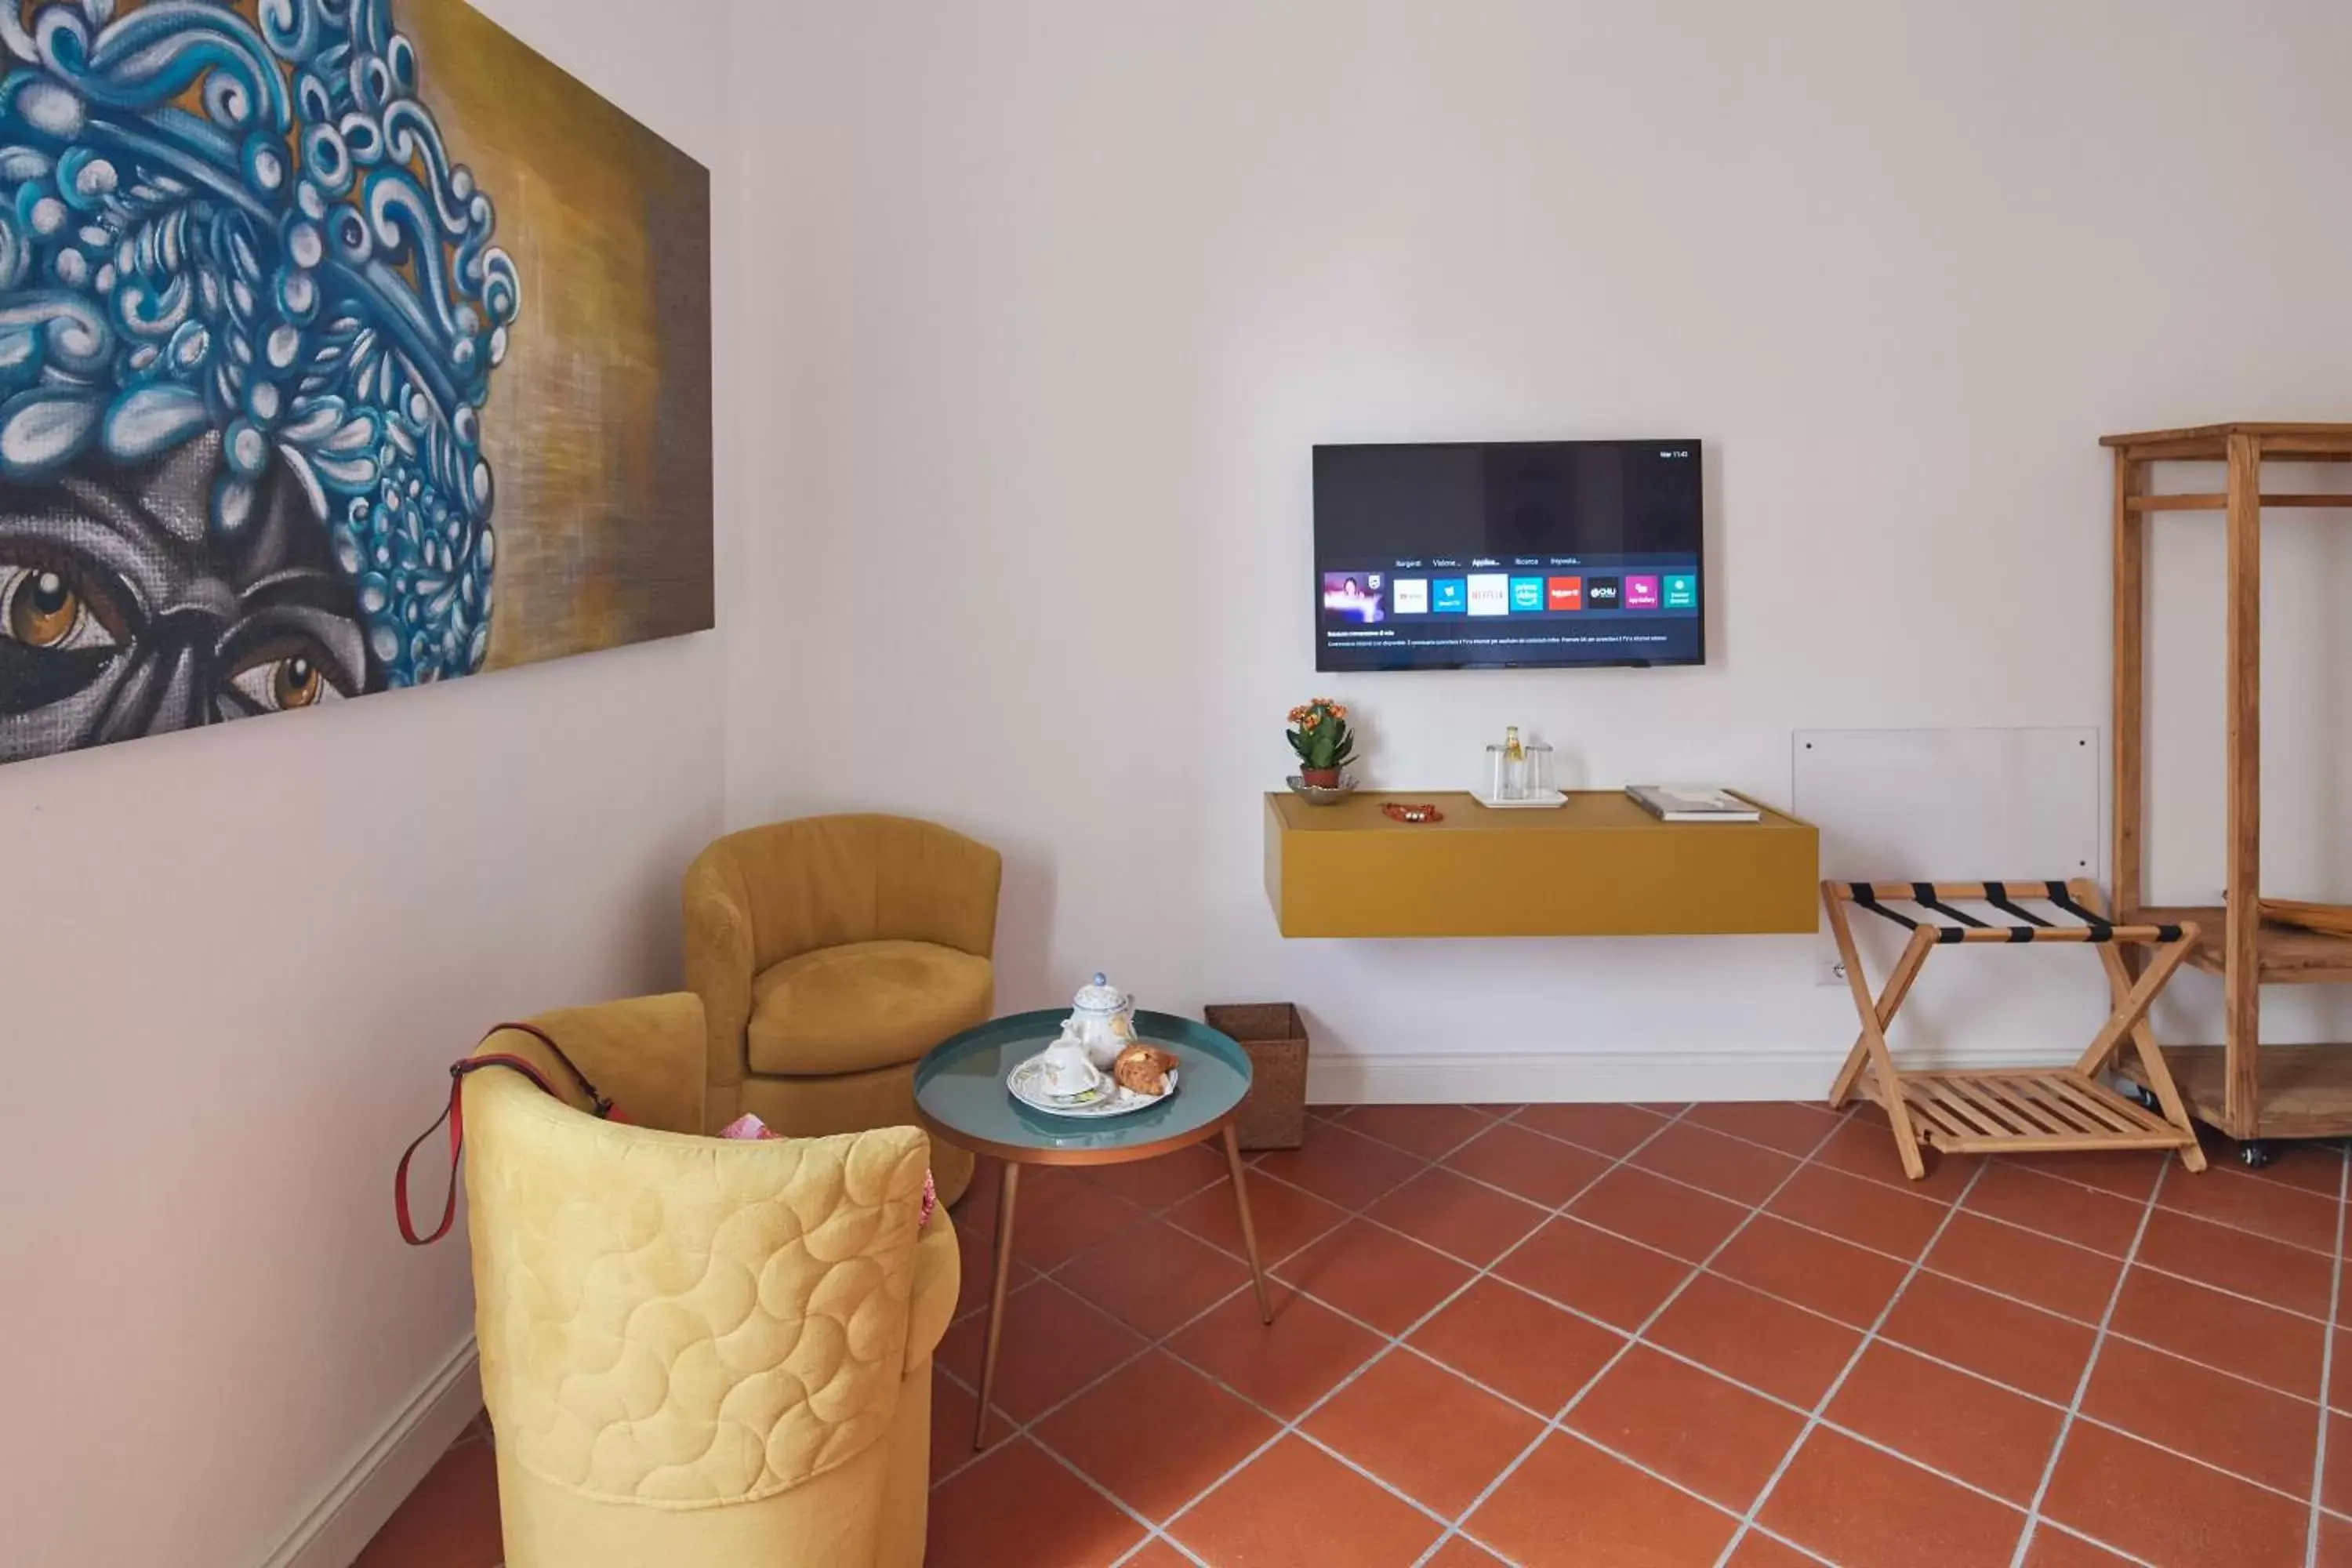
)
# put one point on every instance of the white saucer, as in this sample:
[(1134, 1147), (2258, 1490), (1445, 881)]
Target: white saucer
[(1548, 800), (1111, 1097)]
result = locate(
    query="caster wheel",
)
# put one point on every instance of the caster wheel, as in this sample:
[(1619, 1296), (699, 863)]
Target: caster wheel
[(2254, 1154)]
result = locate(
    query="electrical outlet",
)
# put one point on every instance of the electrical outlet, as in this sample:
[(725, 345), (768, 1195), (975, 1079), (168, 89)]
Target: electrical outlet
[(1829, 969)]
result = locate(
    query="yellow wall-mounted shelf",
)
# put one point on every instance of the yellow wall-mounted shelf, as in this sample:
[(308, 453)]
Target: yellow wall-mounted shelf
[(1599, 866)]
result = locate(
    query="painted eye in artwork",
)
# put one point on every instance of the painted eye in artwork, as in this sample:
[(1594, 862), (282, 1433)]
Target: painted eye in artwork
[(287, 680), (49, 611)]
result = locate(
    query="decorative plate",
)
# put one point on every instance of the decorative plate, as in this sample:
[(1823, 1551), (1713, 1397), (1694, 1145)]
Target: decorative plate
[(1109, 1098), (1318, 794)]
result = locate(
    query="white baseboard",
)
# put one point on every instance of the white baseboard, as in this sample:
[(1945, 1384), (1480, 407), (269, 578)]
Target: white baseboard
[(1650, 1076), (354, 1509)]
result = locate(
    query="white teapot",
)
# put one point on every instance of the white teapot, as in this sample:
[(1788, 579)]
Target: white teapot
[(1103, 1020)]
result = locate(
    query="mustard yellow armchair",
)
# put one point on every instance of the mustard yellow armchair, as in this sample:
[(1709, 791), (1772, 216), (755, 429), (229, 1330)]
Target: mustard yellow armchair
[(696, 1351), (830, 953)]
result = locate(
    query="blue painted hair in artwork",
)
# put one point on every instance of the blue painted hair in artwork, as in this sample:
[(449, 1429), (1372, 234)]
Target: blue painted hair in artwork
[(251, 226)]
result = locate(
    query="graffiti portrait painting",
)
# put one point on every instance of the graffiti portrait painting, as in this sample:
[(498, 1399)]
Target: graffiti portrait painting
[(344, 346)]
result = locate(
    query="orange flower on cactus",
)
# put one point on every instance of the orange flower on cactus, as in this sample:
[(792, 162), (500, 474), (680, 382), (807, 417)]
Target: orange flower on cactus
[(1318, 733)]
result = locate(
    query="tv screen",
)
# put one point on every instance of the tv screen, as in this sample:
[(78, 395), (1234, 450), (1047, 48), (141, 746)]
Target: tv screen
[(1478, 555)]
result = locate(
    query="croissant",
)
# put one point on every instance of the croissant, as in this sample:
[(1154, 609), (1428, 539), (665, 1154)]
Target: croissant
[(1144, 1068)]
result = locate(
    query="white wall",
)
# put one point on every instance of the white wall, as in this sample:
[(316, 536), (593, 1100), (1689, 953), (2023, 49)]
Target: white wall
[(1063, 294), (232, 966), (1030, 314)]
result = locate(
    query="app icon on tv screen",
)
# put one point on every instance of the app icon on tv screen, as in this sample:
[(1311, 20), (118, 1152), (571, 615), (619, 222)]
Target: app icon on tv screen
[(1352, 596)]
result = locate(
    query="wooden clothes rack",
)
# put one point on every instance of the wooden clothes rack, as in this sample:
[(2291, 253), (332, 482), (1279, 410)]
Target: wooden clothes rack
[(2011, 1109), (2250, 1091)]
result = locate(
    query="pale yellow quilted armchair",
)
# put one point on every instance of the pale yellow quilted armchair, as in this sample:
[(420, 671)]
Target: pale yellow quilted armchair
[(697, 1352), (830, 953)]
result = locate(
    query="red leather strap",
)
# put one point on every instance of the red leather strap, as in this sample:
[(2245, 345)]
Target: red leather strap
[(454, 1113)]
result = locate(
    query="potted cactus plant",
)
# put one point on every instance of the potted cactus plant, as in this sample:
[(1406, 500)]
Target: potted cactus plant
[(1318, 733)]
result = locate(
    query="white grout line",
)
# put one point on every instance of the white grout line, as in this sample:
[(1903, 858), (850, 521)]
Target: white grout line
[(1680, 1262), (2146, 1267), (1210, 1377), (1889, 1185), (1890, 1256), (1892, 1184), (1158, 1531), (1023, 1429), (1807, 1553), (1853, 1433), (1870, 1336), (2142, 1440), (1018, 1428), (2109, 1547), (1394, 1342), (2220, 1162), (2327, 1363), (1671, 1353), (2171, 1355), (1802, 1162), (2083, 1383), (1160, 1213), (2044, 1236), (1886, 1183), (1559, 1416), (1918, 1263), (1296, 1425)]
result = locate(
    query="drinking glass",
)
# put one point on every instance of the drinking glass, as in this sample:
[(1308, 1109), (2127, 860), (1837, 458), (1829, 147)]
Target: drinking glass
[(1539, 779), (1503, 774)]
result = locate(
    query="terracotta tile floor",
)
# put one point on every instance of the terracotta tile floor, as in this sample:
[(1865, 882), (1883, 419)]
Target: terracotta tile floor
[(1653, 1337)]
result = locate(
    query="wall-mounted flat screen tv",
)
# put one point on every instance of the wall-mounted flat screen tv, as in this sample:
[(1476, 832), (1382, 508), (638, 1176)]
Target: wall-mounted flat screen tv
[(1513, 554)]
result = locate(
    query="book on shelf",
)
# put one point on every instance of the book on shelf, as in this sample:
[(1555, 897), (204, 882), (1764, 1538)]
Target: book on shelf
[(1692, 803)]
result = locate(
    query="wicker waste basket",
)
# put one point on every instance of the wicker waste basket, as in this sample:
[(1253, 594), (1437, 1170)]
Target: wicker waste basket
[(1274, 1035)]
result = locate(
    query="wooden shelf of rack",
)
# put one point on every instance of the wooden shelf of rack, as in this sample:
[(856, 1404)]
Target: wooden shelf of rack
[(2244, 1088), (2281, 442), (2025, 1111), (2288, 955), (2306, 1091)]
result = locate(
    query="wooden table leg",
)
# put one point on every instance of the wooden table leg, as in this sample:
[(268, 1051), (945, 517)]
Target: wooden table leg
[(1007, 1195), (1249, 1229)]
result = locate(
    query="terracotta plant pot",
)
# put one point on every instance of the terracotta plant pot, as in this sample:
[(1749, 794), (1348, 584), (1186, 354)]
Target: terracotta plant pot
[(1320, 778)]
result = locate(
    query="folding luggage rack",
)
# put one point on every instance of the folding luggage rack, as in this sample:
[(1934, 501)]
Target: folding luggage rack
[(2012, 1110)]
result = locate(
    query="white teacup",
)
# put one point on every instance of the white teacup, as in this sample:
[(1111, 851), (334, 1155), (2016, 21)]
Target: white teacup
[(1068, 1070)]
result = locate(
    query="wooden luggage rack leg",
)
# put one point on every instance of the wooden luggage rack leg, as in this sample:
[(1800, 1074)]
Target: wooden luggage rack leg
[(1870, 1046), (2134, 1001), (2018, 1109)]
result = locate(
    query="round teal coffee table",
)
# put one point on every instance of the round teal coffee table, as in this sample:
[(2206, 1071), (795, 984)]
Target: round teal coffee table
[(960, 1096)]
